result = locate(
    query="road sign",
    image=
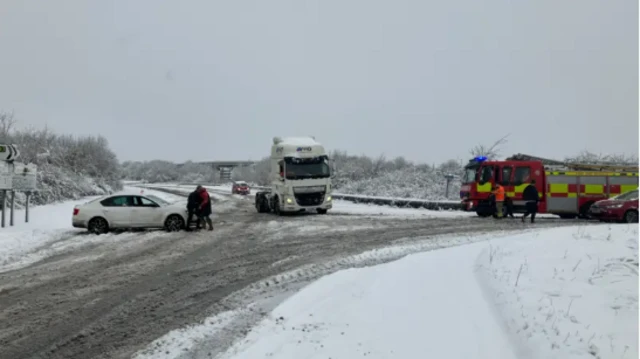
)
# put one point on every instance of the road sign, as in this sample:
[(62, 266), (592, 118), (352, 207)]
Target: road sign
[(9, 152), (6, 175), (24, 177)]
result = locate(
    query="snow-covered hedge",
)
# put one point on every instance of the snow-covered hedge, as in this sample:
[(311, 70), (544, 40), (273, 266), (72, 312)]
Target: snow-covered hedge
[(68, 167), (158, 171)]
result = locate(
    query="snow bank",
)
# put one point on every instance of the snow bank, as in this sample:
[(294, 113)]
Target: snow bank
[(576, 297), (350, 208), (570, 292), (423, 306), (49, 231), (47, 224)]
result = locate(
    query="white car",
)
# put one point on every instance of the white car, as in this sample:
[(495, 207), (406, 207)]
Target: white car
[(129, 211)]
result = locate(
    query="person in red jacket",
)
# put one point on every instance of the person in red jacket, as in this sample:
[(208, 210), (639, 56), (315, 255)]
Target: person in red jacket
[(205, 210)]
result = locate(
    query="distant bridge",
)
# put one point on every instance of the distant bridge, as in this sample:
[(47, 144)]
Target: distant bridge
[(225, 168)]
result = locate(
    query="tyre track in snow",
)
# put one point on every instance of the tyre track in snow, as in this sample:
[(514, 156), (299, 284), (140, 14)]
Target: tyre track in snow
[(109, 300)]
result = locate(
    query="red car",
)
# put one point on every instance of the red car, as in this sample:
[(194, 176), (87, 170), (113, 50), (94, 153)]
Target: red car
[(621, 208), (240, 187)]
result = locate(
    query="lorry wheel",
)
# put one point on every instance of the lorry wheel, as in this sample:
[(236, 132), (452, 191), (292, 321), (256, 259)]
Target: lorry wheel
[(321, 211), (261, 203), (631, 216), (276, 206)]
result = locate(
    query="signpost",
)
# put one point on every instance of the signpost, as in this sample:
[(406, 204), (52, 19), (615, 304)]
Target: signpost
[(15, 176)]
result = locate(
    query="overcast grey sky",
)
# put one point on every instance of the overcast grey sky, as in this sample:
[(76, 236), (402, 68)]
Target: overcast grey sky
[(214, 80)]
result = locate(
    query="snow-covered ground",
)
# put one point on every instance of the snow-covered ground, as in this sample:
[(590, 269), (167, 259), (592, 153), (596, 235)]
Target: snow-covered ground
[(558, 293), (47, 224), (49, 231)]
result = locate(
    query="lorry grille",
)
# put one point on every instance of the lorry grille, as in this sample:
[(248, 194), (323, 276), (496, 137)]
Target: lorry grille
[(310, 199)]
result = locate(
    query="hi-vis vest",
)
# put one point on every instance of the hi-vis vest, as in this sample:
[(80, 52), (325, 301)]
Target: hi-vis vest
[(499, 192)]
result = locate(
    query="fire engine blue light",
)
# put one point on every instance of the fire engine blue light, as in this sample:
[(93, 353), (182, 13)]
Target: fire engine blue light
[(480, 158)]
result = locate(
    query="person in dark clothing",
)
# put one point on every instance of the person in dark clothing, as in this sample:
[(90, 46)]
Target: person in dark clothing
[(193, 204), (508, 205), (204, 209), (531, 198)]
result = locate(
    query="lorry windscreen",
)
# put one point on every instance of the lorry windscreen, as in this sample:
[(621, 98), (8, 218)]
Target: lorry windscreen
[(305, 168)]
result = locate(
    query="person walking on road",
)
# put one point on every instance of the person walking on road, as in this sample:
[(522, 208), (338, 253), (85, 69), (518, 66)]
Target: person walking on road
[(508, 205), (193, 203), (498, 191), (531, 197), (205, 210)]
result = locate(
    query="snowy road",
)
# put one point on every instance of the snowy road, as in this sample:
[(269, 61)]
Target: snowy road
[(112, 296)]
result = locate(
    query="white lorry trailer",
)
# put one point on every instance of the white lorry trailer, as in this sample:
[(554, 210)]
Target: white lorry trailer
[(300, 177)]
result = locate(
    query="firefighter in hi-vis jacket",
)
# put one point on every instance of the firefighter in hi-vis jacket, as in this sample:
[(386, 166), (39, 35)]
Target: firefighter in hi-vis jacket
[(498, 192)]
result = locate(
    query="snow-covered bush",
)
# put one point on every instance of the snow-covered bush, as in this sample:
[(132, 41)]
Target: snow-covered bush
[(602, 159), (157, 171), (68, 167)]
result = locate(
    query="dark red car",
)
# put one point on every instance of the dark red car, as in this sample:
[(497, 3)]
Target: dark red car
[(621, 208), (240, 187)]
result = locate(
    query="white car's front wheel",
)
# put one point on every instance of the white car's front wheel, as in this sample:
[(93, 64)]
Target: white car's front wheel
[(98, 225), (174, 223)]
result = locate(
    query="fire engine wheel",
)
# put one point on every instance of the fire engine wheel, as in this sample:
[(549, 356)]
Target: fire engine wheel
[(483, 214), (631, 216), (584, 210)]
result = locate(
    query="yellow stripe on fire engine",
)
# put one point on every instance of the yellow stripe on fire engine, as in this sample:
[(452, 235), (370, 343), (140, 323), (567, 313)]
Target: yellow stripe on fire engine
[(628, 187), (558, 188), (519, 190), (484, 187), (595, 173), (593, 189)]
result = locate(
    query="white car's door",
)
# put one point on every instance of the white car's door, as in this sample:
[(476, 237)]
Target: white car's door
[(146, 213), (117, 210)]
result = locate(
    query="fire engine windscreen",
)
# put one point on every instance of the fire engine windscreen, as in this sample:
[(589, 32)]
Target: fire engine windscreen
[(305, 168), (469, 174)]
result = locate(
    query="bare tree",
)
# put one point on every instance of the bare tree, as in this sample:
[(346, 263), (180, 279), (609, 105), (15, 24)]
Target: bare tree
[(602, 159), (7, 122), (378, 164), (491, 152)]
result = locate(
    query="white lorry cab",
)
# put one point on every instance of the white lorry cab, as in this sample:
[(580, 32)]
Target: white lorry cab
[(300, 177)]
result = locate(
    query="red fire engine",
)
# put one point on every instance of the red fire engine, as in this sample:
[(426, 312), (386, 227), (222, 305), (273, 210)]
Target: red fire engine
[(565, 189)]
